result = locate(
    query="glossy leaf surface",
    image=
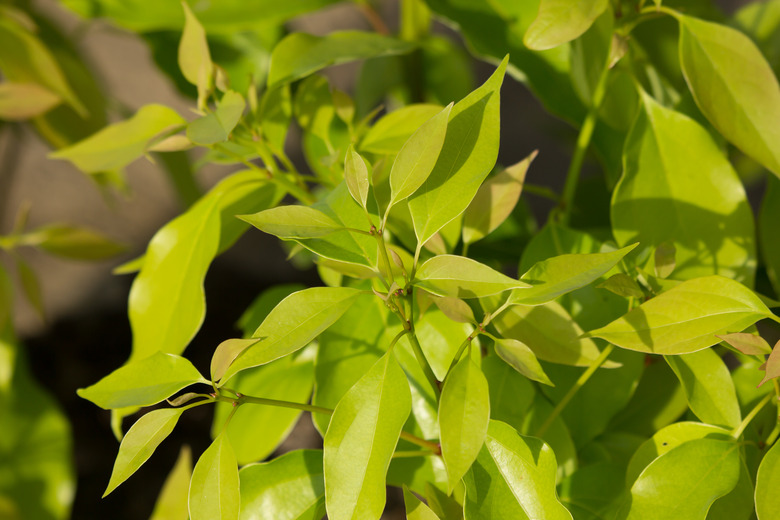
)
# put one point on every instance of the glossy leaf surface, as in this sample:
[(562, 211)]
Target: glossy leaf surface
[(560, 21), (522, 359), (293, 222), (461, 277), (767, 499), (214, 488)]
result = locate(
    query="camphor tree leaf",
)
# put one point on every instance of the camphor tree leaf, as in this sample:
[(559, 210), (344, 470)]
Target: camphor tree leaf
[(172, 502), (560, 21), (467, 156), (293, 221), (73, 242), (708, 386), (288, 487), (292, 324), (734, 87), (772, 367), (464, 412), (356, 176), (513, 477), (767, 481), (686, 318), (417, 158), (461, 277), (748, 344), (140, 442), (361, 439), (416, 508), (679, 188), (664, 257), (622, 285), (454, 308), (389, 134), (214, 488), (215, 127), (119, 144), (143, 382), (494, 201), (684, 482), (299, 54), (562, 274), (20, 101), (522, 359), (275, 112)]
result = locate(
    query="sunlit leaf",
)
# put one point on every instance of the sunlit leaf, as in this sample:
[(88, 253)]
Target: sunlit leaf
[(767, 480), (356, 176), (462, 277), (522, 359), (560, 21), (216, 126), (214, 488), (293, 221), (392, 130), (194, 56), (416, 508)]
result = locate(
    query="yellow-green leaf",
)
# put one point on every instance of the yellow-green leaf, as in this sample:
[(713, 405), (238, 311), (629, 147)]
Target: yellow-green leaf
[(416, 508), (767, 482), (20, 101), (356, 176), (293, 221), (521, 358), (172, 502), (194, 56), (215, 127), (560, 21), (214, 488), (462, 277)]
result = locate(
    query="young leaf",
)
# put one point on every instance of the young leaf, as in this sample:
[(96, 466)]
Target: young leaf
[(293, 221), (119, 144), (143, 382), (678, 187), (194, 56), (462, 277), (299, 54), (356, 176), (522, 359), (685, 482), (748, 344), (361, 439), (75, 242), (290, 486), (494, 201), (464, 412), (416, 508), (562, 274), (772, 368), (417, 158), (226, 352), (767, 481), (513, 477), (172, 502), (733, 86), (392, 130), (560, 21), (20, 101), (293, 323), (708, 386), (686, 318), (467, 156), (140, 442), (214, 488), (215, 127)]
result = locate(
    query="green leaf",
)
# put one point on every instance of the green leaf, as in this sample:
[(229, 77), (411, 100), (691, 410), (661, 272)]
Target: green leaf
[(678, 187), (416, 508), (684, 482), (288, 487), (592, 492), (562, 274), (733, 86), (293, 221), (214, 488), (356, 176), (74, 242), (622, 285), (511, 394), (361, 439), (495, 200), (140, 442), (275, 114), (665, 260), (686, 318), (31, 286), (299, 54), (513, 477), (172, 502), (467, 156), (748, 344), (707, 384), (417, 158), (464, 412), (389, 134), (119, 144), (767, 481), (215, 127), (461, 277), (295, 322), (143, 382), (772, 367), (767, 228), (20, 101), (549, 331), (560, 21), (455, 309), (194, 56), (522, 359)]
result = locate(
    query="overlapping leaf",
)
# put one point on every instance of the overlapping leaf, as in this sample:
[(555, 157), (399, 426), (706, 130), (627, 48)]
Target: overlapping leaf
[(461, 277)]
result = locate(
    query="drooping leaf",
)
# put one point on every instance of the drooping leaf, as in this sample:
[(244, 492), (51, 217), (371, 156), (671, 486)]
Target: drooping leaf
[(455, 309), (522, 359), (215, 127), (119, 144), (293, 323), (707, 384), (416, 508), (686, 318), (299, 54), (20, 101), (143, 382), (494, 201), (361, 439), (561, 274), (679, 188), (392, 130), (767, 499), (560, 21), (461, 277), (748, 344), (772, 367), (293, 221), (172, 502), (214, 488), (734, 87), (464, 412), (288, 487), (356, 176), (467, 156), (74, 242), (513, 477), (140, 442)]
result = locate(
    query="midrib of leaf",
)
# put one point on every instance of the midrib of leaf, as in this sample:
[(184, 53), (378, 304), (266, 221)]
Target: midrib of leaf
[(503, 475), (152, 438)]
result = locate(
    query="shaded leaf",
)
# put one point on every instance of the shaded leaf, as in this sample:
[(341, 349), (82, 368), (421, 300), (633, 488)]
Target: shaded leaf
[(522, 359), (664, 257), (767, 229), (214, 488), (31, 286), (767, 480), (392, 130), (20, 101), (461, 277), (75, 242), (622, 285), (560, 21), (748, 344), (455, 309), (171, 504), (772, 367), (415, 508), (215, 127)]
